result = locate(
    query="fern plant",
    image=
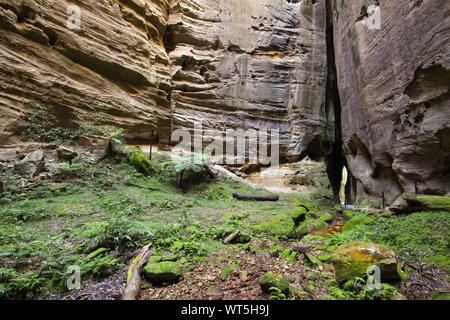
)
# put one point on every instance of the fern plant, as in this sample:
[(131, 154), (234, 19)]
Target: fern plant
[(184, 169)]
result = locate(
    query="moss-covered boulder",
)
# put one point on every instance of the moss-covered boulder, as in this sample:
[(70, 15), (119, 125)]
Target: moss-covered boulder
[(161, 272), (154, 259), (139, 160), (270, 280), (326, 217), (352, 260), (177, 246)]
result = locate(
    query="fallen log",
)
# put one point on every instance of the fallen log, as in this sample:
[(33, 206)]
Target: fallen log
[(256, 197), (134, 273), (231, 237)]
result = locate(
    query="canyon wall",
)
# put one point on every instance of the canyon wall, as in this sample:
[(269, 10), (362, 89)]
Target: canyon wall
[(112, 71), (394, 92), (297, 66), (254, 64), (166, 64)]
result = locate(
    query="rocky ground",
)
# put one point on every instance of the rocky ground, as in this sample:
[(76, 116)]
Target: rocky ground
[(65, 206)]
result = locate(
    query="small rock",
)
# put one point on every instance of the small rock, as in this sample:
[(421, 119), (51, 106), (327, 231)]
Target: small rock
[(66, 154), (224, 273), (214, 293), (255, 292), (262, 254), (31, 165), (235, 273), (231, 237), (244, 276), (270, 280), (166, 271)]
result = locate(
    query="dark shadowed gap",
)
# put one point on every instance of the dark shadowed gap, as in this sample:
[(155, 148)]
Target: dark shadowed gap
[(335, 158)]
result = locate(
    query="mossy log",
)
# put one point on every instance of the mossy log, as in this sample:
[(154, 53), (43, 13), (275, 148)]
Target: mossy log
[(256, 197), (134, 273)]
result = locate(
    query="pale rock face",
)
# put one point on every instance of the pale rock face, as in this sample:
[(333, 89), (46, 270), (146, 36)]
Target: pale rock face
[(255, 64), (393, 85)]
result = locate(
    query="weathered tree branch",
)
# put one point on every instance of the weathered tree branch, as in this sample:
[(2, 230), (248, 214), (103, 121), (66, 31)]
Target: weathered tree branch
[(134, 273)]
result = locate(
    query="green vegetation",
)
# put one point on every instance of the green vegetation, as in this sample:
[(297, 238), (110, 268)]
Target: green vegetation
[(414, 235), (57, 225), (270, 281), (436, 202), (139, 160), (96, 219), (357, 289)]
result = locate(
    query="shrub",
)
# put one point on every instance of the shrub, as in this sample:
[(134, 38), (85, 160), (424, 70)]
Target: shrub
[(187, 171)]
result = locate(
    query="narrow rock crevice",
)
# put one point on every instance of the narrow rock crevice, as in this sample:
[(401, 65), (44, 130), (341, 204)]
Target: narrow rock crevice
[(335, 158)]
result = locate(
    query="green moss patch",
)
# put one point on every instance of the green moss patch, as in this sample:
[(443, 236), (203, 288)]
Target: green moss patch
[(166, 271), (139, 160), (357, 220), (270, 280), (436, 202)]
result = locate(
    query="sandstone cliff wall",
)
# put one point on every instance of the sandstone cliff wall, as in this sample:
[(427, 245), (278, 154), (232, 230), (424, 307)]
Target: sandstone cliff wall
[(248, 64), (112, 71), (255, 64), (394, 91)]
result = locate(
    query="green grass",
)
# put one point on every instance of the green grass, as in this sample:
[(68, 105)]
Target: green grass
[(436, 202), (56, 225), (416, 235)]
